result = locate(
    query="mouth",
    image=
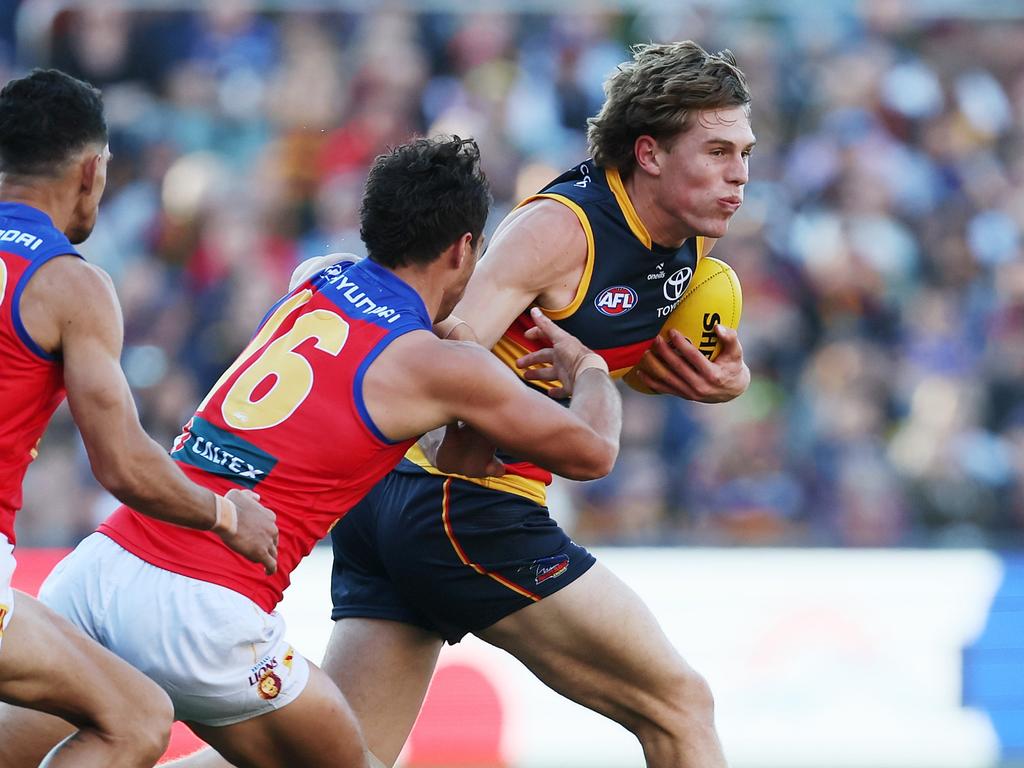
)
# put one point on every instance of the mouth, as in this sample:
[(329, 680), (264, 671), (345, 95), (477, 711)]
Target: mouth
[(731, 204)]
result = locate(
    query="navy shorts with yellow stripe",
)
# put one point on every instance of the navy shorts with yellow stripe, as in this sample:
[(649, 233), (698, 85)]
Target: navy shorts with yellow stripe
[(447, 555)]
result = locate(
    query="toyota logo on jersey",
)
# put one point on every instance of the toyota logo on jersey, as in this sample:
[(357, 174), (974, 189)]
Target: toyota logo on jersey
[(616, 300), (676, 284)]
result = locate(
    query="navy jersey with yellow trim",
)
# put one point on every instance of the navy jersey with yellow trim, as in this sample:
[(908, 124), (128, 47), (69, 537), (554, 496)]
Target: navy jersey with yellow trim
[(629, 286)]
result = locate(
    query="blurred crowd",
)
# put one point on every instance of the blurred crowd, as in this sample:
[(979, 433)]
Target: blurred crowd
[(879, 246)]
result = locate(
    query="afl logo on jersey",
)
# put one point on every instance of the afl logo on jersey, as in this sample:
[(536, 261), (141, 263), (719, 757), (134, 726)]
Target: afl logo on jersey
[(617, 300)]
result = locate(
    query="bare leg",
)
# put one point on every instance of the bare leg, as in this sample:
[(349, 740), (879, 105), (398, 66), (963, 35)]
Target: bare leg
[(375, 660), (317, 730), (384, 668), (595, 642), (49, 666)]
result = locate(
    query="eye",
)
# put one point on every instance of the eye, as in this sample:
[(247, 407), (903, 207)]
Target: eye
[(717, 152)]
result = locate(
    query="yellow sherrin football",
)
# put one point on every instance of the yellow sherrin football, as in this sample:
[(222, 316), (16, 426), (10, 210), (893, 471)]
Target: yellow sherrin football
[(712, 297)]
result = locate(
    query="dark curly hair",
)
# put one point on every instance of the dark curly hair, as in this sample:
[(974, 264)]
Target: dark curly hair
[(45, 118), (420, 198), (658, 94)]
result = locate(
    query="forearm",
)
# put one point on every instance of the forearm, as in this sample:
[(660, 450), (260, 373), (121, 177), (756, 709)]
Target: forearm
[(146, 479), (124, 459), (597, 403)]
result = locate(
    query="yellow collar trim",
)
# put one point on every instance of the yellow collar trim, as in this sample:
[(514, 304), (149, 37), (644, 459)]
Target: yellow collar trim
[(626, 205)]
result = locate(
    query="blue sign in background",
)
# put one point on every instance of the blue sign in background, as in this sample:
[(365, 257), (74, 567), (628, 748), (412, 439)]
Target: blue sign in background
[(993, 666)]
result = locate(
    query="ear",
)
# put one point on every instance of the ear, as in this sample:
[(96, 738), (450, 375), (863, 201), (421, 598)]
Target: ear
[(462, 249), (468, 246), (89, 167), (645, 151)]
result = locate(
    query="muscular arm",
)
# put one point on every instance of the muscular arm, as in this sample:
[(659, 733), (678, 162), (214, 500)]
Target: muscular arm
[(70, 308), (537, 255), (87, 332), (421, 382)]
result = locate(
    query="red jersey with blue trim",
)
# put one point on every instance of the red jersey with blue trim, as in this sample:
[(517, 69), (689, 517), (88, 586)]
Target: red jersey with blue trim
[(288, 420), (31, 379), (630, 284)]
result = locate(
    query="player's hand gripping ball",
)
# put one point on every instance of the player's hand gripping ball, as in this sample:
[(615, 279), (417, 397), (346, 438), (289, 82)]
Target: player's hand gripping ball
[(713, 297)]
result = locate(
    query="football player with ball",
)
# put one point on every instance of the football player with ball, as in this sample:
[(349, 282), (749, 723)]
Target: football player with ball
[(612, 251), (607, 250)]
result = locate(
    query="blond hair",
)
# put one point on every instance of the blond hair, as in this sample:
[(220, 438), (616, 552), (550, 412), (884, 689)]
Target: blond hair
[(658, 94)]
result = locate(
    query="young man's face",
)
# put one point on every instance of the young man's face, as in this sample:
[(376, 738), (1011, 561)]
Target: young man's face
[(704, 170)]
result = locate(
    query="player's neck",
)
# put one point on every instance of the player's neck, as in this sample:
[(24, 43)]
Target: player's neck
[(48, 198), (663, 228), (422, 281)]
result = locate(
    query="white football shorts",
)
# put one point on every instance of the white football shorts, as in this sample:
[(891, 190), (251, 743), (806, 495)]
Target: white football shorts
[(220, 657), (6, 591)]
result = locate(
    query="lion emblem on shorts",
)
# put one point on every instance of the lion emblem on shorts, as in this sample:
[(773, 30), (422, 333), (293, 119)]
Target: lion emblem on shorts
[(269, 685)]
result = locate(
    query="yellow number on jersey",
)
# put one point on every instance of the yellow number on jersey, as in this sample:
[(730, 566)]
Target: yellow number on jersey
[(292, 374)]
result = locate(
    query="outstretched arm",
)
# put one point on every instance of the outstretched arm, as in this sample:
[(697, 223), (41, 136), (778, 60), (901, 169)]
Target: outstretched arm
[(420, 382)]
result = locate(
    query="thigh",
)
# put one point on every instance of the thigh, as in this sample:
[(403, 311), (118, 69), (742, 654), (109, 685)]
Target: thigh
[(596, 643), (384, 669), (48, 666), (316, 730)]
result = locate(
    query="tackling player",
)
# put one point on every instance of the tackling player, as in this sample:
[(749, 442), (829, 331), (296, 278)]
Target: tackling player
[(61, 332), (343, 375), (606, 250)]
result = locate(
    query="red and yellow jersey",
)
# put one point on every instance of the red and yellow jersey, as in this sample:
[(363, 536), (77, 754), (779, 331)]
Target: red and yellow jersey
[(630, 284), (288, 420), (31, 379)]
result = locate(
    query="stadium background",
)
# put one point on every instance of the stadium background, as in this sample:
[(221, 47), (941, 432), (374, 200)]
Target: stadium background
[(836, 545)]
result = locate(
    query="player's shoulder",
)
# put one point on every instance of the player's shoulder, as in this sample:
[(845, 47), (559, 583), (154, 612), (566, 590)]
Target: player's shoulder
[(69, 295), (548, 223), (433, 364), (71, 267), (546, 212), (71, 276)]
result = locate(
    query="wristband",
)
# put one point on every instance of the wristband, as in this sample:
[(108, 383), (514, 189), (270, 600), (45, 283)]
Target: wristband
[(227, 517), (589, 360)]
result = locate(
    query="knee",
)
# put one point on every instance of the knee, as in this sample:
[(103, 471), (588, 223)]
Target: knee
[(693, 699), (144, 725), (158, 718), (684, 707)]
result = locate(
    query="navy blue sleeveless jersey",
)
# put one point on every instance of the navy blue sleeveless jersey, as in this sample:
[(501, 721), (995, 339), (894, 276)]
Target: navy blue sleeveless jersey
[(630, 284)]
